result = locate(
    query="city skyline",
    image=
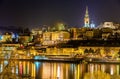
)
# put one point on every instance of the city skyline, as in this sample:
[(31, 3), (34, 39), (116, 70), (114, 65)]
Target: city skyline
[(46, 12)]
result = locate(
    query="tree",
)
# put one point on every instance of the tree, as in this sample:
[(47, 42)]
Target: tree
[(24, 31), (86, 51), (91, 50)]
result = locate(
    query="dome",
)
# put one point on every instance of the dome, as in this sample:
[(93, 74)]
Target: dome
[(59, 26)]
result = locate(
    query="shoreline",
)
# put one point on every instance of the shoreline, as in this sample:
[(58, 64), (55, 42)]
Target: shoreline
[(66, 60)]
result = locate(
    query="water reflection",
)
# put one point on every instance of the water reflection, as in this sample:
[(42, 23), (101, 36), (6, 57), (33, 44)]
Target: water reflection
[(110, 70), (56, 71), (53, 70)]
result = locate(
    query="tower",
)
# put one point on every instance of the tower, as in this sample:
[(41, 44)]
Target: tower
[(92, 25), (86, 18)]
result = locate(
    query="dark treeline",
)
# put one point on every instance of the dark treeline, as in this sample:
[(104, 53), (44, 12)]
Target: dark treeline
[(77, 43), (15, 29), (8, 29)]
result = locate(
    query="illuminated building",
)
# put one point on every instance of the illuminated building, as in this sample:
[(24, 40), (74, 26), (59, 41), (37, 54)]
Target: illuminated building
[(74, 32), (8, 49), (92, 25), (37, 35), (86, 19), (110, 25), (55, 37), (7, 37), (36, 31)]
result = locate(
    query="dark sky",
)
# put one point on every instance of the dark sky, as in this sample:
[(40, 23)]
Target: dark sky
[(32, 13)]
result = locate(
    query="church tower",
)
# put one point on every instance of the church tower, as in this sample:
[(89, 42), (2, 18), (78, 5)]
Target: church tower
[(86, 18)]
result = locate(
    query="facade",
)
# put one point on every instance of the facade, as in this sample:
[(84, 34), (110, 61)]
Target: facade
[(50, 38)]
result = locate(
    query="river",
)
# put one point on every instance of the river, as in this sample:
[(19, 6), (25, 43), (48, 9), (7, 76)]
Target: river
[(58, 70)]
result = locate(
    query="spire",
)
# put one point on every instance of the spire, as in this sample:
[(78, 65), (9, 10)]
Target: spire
[(86, 13), (86, 18)]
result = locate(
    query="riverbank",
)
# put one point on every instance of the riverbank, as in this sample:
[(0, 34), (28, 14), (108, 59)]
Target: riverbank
[(69, 59), (51, 59), (101, 60)]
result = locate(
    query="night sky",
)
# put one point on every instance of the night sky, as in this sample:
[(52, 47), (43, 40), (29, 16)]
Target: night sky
[(34, 13)]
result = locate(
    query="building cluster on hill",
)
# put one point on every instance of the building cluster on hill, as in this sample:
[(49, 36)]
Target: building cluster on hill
[(61, 33)]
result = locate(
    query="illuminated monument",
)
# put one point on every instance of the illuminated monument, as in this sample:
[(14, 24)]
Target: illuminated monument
[(86, 19)]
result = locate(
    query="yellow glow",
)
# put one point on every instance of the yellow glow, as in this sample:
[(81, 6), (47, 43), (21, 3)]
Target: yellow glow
[(118, 70), (24, 67), (54, 70), (112, 70), (28, 67), (78, 71), (33, 73)]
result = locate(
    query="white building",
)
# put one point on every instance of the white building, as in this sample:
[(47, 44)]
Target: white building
[(107, 25)]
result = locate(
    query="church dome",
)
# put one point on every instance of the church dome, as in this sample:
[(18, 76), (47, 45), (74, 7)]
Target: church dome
[(59, 26)]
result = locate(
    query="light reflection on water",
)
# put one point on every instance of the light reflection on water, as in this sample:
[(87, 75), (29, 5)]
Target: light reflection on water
[(54, 70)]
